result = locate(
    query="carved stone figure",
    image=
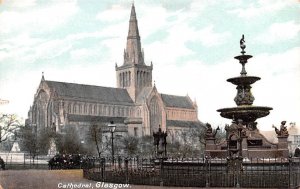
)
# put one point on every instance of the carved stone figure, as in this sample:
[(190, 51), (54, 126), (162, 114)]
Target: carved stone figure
[(283, 132), (209, 131), (242, 44)]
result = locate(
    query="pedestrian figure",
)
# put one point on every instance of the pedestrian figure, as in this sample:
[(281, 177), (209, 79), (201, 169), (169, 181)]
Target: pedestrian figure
[(297, 152), (2, 164)]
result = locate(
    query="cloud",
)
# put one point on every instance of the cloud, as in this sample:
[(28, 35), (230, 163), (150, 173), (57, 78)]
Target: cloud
[(21, 4), (278, 87), (44, 18), (114, 14), (260, 8), (208, 37), (278, 32), (201, 80)]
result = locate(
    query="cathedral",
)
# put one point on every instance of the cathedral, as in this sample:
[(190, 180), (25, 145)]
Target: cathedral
[(135, 105)]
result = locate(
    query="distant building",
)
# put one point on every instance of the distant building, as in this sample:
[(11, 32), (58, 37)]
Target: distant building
[(294, 137), (135, 105), (3, 101)]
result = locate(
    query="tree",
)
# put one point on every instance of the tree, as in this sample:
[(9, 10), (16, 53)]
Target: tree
[(96, 137), (43, 139), (69, 142), (146, 146), (131, 145), (9, 123), (187, 144), (28, 141), (35, 142)]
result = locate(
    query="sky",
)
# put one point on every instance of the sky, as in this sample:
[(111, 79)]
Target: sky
[(191, 44)]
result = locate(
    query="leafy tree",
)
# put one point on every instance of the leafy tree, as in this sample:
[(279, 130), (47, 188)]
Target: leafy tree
[(28, 141), (69, 142), (9, 123), (43, 140), (187, 144), (146, 146), (35, 142), (173, 149)]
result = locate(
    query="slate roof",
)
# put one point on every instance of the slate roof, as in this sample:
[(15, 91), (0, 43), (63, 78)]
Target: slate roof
[(91, 92), (143, 94), (177, 101), (178, 123)]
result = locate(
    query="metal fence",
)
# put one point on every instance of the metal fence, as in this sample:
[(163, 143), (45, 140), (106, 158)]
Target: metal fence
[(254, 173), (24, 161)]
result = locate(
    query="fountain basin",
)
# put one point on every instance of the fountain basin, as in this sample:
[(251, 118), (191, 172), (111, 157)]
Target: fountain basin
[(243, 80), (247, 113)]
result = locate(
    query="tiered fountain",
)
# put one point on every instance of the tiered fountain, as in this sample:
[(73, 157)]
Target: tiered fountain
[(243, 137), (244, 99)]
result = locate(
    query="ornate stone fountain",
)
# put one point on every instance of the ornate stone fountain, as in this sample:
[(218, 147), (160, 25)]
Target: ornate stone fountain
[(243, 139), (244, 99)]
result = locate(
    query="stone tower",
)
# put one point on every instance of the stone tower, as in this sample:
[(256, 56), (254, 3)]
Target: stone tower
[(134, 74)]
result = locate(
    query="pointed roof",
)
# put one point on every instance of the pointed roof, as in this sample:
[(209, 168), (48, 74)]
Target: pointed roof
[(90, 92), (133, 52), (177, 101), (133, 31)]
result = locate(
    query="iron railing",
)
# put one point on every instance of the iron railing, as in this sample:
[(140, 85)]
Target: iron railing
[(192, 172)]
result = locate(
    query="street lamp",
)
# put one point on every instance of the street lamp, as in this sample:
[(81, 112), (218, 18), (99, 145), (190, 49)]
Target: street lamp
[(112, 128)]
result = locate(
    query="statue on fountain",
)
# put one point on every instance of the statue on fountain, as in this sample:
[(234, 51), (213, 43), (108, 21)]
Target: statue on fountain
[(209, 131), (242, 44), (282, 132)]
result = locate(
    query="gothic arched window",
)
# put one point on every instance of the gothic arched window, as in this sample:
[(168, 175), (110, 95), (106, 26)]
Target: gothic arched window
[(155, 115), (90, 109)]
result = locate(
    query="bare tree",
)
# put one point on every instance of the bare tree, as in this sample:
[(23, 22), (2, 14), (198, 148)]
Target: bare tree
[(96, 136), (9, 123)]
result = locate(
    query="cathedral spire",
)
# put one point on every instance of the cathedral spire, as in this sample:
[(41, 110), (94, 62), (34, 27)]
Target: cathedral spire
[(133, 53), (134, 75), (43, 77)]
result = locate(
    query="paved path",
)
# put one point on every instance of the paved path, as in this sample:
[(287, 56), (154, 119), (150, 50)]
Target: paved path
[(53, 179)]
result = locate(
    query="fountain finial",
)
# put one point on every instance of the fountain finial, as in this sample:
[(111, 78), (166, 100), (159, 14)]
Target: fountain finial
[(242, 44)]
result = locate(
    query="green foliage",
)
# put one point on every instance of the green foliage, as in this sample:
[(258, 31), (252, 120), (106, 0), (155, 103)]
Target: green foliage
[(146, 146), (187, 144), (9, 124), (69, 142), (28, 140), (35, 142), (131, 145)]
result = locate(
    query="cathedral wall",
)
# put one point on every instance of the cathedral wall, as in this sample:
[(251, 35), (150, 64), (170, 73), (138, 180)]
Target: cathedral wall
[(99, 109), (181, 114)]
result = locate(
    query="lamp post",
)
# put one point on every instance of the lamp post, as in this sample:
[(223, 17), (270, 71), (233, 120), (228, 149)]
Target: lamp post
[(112, 128)]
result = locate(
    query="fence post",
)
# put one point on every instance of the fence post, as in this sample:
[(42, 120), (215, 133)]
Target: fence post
[(102, 168), (126, 169), (290, 173), (119, 162), (207, 171), (161, 172)]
